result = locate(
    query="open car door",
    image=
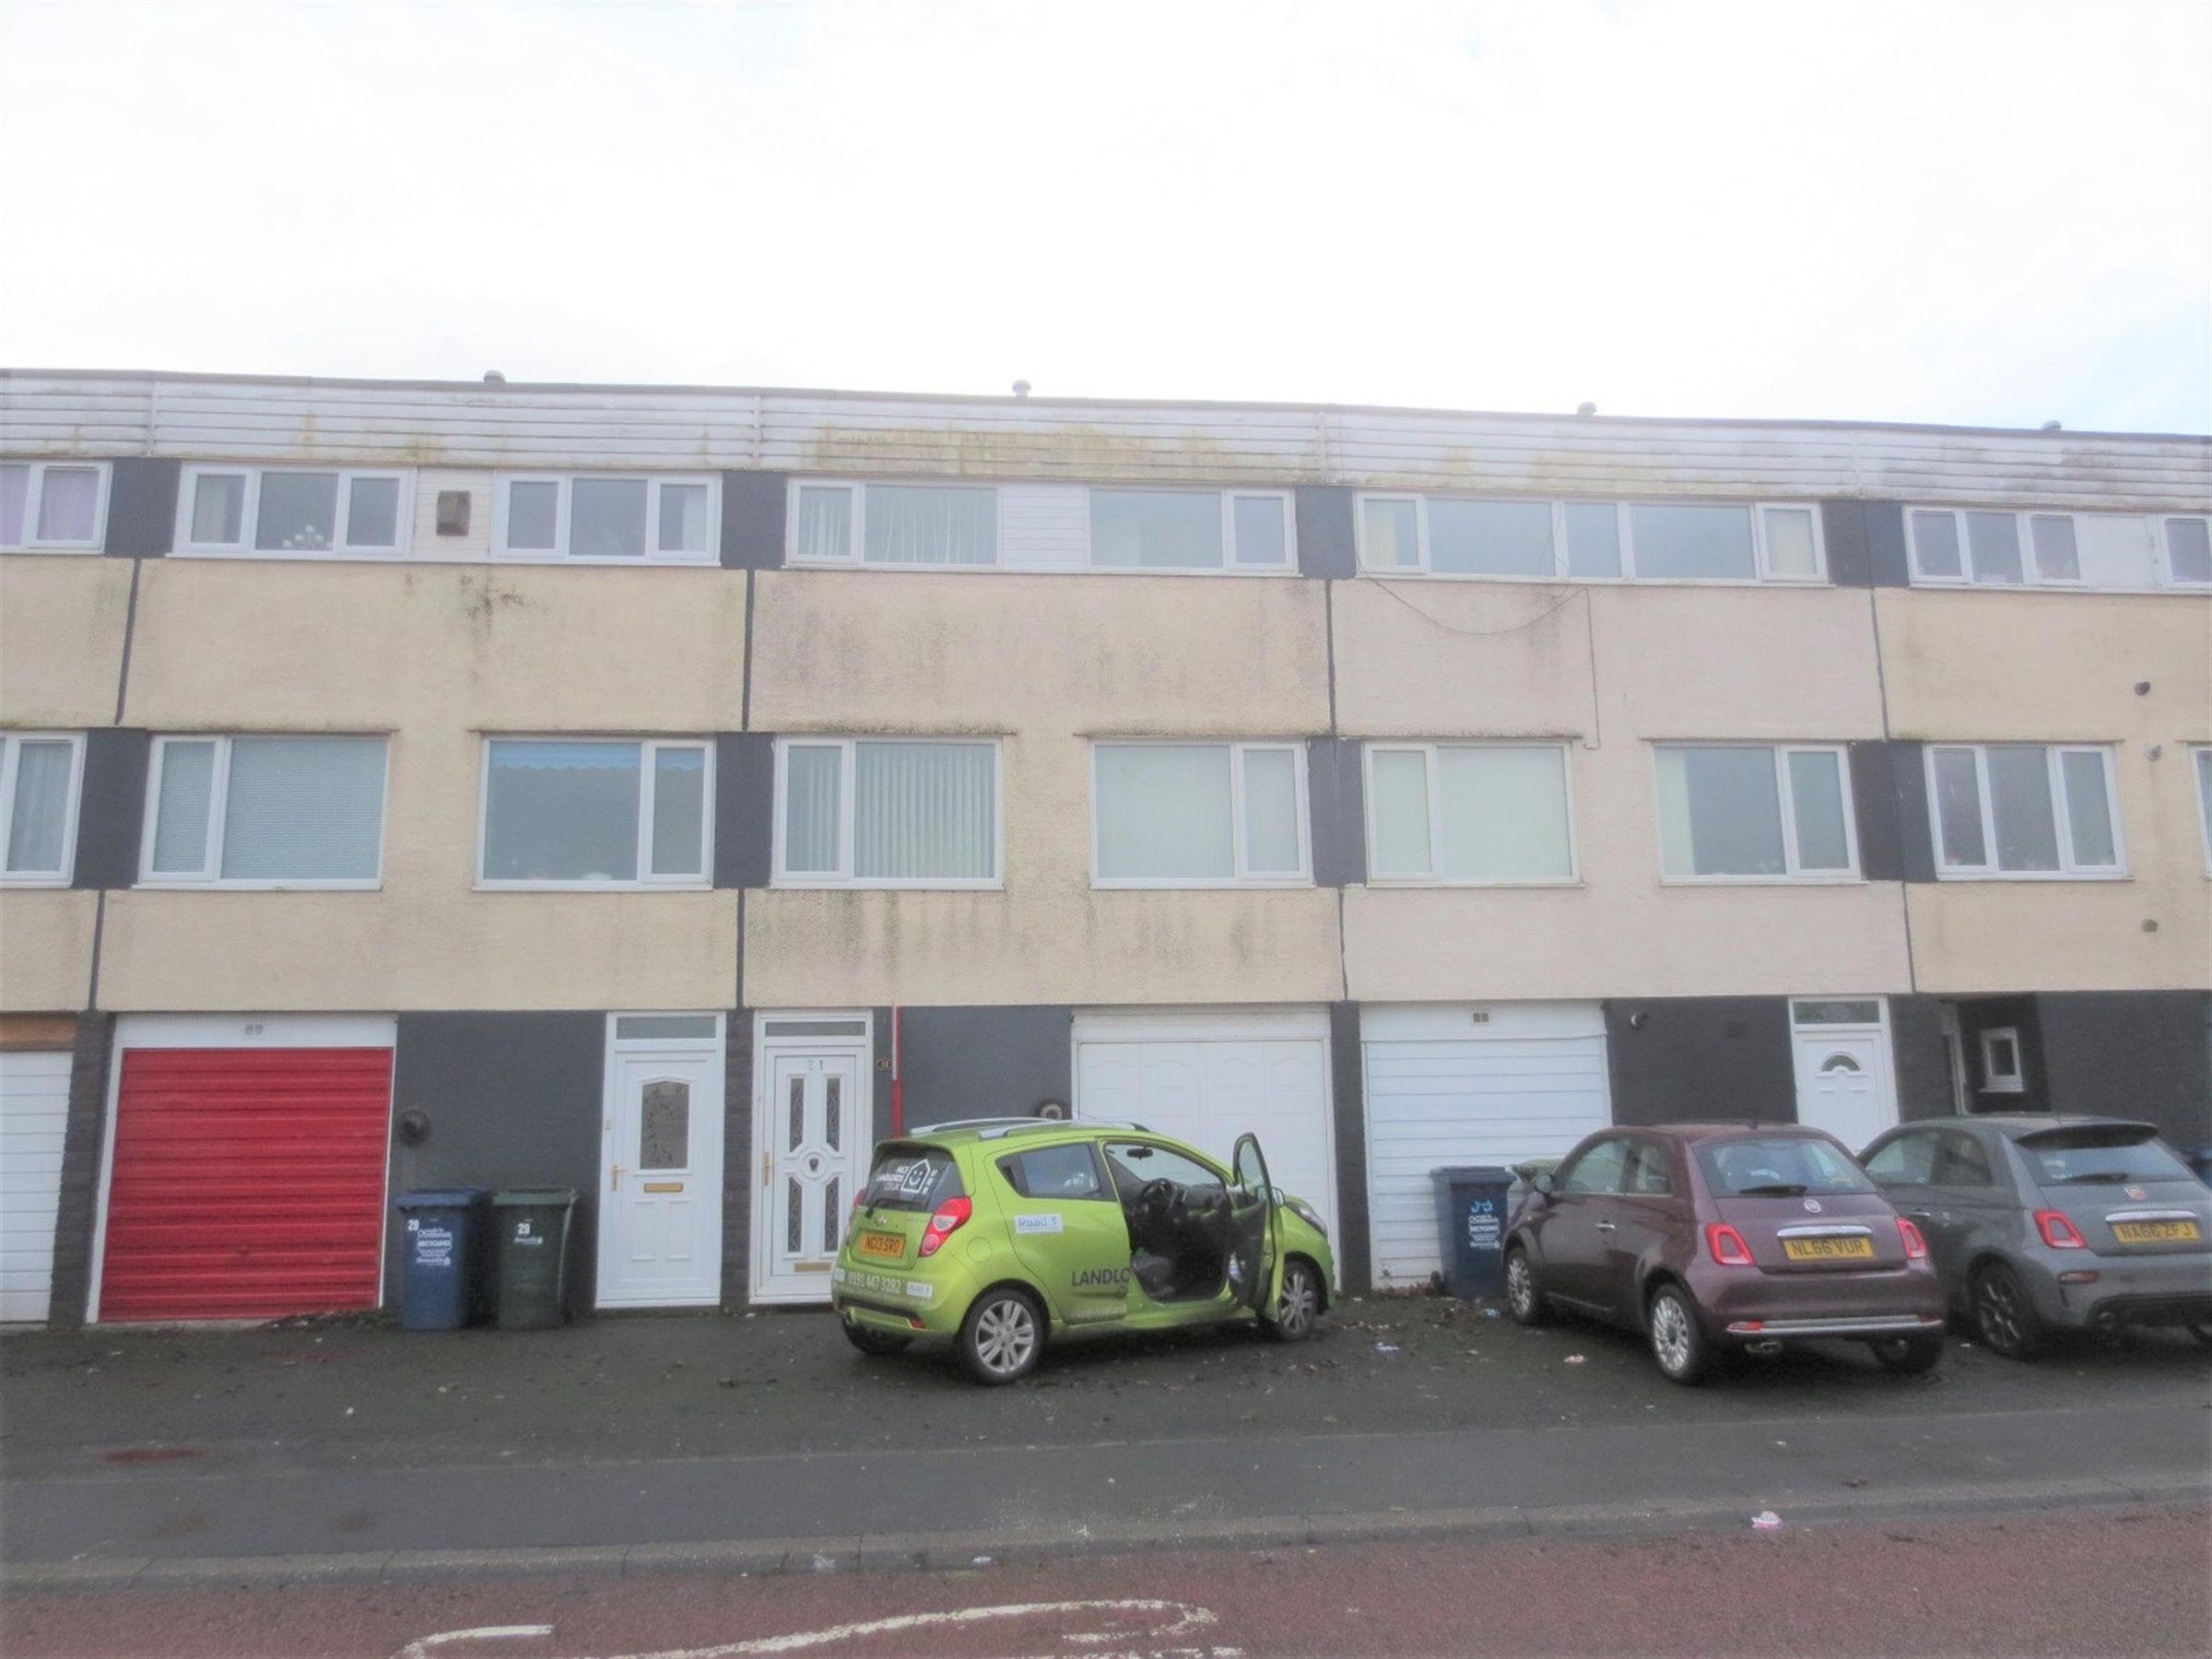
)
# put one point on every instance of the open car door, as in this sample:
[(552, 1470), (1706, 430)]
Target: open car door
[(1251, 1227)]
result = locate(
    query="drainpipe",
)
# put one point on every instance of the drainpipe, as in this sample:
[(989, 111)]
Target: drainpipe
[(898, 1098)]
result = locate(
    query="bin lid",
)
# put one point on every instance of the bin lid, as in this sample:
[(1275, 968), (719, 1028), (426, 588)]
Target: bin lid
[(443, 1198), (538, 1196), (1472, 1172)]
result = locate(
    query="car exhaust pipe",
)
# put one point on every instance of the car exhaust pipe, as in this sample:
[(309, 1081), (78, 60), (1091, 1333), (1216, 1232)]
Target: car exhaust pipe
[(1764, 1347)]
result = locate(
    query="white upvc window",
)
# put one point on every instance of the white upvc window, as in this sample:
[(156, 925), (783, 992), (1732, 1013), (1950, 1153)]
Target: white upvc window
[(887, 812), (39, 772), (2002, 1070), (2117, 552), (2202, 760), (1247, 532), (608, 518), (2024, 811), (899, 524), (293, 512), (1469, 814), (1755, 812), (1553, 540), (53, 506), (265, 811), (595, 813), (1175, 813)]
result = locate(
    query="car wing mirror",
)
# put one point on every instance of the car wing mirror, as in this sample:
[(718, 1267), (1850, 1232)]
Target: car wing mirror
[(1543, 1184)]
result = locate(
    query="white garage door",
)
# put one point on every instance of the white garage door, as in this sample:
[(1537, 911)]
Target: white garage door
[(34, 1115), (1446, 1086), (1207, 1079)]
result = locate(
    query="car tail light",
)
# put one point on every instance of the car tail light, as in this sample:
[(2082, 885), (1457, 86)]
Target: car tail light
[(951, 1216), (2058, 1232), (1916, 1244), (1727, 1245)]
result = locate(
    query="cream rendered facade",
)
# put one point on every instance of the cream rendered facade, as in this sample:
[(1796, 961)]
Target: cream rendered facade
[(946, 1000)]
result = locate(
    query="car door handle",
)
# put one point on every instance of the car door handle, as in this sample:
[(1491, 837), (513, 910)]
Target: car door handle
[(1605, 1227), (1919, 1214)]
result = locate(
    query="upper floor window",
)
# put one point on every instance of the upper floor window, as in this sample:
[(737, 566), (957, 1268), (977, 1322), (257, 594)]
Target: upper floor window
[(583, 812), (1996, 547), (1175, 814), (2203, 757), (886, 812), (1755, 812), (1550, 540), (39, 772), (894, 524), (1189, 529), (279, 512), (53, 506), (265, 812), (586, 518), (2024, 811), (1471, 813)]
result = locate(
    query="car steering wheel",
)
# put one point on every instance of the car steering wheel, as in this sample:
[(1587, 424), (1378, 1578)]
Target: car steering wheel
[(1156, 1199)]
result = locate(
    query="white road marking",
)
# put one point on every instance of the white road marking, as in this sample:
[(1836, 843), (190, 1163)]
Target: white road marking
[(424, 1646)]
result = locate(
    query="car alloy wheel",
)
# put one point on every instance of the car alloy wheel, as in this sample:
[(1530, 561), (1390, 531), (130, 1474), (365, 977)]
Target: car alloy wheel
[(1002, 1337), (1680, 1349), (1299, 1306), (2001, 1309), (1522, 1299)]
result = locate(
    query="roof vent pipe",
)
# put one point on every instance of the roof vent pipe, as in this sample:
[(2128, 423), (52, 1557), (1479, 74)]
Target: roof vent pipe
[(2051, 425), (492, 377), (1021, 388), (1588, 408)]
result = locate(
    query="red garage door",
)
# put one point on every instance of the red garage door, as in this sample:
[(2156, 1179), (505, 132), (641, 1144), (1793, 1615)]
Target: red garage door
[(246, 1183)]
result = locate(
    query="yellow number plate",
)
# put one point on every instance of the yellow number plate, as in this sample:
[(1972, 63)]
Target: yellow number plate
[(1828, 1250), (2156, 1232), (882, 1244)]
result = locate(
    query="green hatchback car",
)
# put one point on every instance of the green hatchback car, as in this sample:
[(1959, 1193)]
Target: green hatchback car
[(1001, 1233)]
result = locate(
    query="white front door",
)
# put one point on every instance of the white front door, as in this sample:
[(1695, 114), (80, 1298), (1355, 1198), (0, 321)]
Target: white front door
[(660, 1197), (811, 1136), (1846, 1082)]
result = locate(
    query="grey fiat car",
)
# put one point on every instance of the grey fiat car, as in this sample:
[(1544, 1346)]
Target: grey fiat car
[(2040, 1224)]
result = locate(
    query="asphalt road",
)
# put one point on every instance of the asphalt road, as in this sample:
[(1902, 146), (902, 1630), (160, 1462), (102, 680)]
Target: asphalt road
[(2075, 1585), (359, 1452)]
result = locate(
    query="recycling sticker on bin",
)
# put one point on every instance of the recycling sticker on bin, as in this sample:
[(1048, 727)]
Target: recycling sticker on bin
[(1483, 1230)]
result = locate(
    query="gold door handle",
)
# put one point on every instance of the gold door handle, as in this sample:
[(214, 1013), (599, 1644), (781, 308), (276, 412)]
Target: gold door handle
[(616, 1172), (765, 1159)]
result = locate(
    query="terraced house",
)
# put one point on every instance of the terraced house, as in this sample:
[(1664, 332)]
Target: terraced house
[(665, 790)]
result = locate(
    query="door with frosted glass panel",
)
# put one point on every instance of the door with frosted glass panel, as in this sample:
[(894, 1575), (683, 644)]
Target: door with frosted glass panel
[(660, 1242), (812, 1127)]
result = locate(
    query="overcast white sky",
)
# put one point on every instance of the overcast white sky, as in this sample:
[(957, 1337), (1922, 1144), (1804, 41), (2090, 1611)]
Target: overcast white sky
[(1985, 212)]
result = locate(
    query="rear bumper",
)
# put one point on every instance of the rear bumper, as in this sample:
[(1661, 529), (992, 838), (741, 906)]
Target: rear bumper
[(2141, 1290), (903, 1302), (1901, 1324), (1745, 1304)]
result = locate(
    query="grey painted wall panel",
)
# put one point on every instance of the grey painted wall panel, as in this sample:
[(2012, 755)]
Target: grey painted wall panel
[(1843, 530), (142, 507), (2131, 1053), (983, 1062), (1890, 802), (1335, 802), (752, 520), (745, 788), (111, 807), (1324, 532), (1887, 563), (513, 1100), (1355, 1264), (1701, 1058), (83, 1138), (738, 1154)]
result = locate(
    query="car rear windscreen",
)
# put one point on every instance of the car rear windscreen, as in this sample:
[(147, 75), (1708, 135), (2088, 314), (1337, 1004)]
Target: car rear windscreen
[(1778, 1167), (2089, 1155), (912, 1178)]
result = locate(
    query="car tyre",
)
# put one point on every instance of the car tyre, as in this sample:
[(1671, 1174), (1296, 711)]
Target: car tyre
[(2202, 1331), (1908, 1356), (1524, 1297), (1002, 1337), (1679, 1346), (1298, 1309), (2004, 1315), (877, 1344)]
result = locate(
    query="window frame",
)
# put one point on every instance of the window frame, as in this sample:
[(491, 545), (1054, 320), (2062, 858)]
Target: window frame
[(2062, 809), (2163, 580), (644, 881), (34, 491), (1428, 750), (848, 769), (1228, 495), (1763, 573), (1241, 877), (2200, 782), (1993, 1081), (1794, 875), (11, 744), (182, 546), (655, 481), (210, 877), (855, 556)]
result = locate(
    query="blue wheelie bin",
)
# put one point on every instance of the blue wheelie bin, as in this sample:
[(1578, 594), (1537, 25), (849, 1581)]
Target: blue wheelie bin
[(441, 1266)]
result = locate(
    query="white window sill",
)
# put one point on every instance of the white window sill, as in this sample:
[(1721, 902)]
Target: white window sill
[(901, 569), (1100, 884), (79, 548), (284, 556), (1620, 582), (32, 882), (690, 561), (2106, 876), (1936, 585), (698, 886), (800, 884), (1433, 883), (1855, 879), (168, 884)]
